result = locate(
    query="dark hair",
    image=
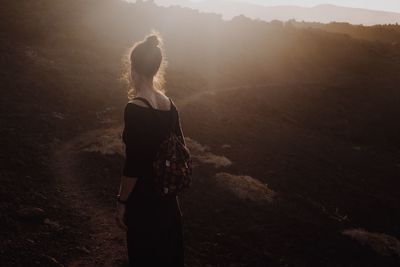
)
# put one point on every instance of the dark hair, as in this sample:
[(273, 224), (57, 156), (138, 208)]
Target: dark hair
[(146, 56)]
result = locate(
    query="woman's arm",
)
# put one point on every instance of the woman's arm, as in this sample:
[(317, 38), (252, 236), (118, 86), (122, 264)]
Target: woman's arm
[(126, 187), (132, 137)]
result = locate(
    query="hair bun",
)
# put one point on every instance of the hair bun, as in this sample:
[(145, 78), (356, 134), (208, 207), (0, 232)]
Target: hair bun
[(152, 40)]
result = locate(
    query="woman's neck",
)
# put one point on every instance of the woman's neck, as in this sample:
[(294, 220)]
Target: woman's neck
[(145, 87)]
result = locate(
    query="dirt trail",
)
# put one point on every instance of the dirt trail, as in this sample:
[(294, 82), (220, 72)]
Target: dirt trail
[(198, 95), (108, 247)]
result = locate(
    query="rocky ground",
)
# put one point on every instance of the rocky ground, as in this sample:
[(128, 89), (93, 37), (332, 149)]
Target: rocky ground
[(231, 217)]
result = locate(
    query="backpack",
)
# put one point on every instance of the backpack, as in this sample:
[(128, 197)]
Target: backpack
[(172, 165)]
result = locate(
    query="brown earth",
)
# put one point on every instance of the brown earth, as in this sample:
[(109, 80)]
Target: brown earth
[(227, 220)]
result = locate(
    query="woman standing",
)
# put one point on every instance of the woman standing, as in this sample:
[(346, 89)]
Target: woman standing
[(153, 223)]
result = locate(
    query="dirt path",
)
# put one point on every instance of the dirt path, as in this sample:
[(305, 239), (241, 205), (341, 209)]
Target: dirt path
[(182, 103), (108, 247)]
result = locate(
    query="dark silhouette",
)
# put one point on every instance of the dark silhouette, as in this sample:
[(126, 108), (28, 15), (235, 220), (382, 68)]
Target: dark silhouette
[(153, 223)]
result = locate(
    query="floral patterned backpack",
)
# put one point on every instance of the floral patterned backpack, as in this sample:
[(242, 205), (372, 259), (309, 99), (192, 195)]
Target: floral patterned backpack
[(172, 165)]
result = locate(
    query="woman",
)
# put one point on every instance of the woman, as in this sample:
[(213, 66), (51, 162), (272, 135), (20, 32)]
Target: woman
[(153, 223)]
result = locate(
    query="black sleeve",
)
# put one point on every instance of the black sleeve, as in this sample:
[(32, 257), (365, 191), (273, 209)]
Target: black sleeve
[(132, 137)]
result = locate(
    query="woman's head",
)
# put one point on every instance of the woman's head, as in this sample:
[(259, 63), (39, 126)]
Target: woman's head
[(146, 57), (146, 64)]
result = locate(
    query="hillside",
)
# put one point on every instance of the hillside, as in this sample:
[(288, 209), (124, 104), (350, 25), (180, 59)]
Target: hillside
[(324, 13), (389, 34), (328, 181), (310, 111)]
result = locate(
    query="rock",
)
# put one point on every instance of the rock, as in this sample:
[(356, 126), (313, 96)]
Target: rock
[(31, 215), (382, 243), (53, 224), (83, 249), (50, 261), (58, 115), (245, 187), (40, 196)]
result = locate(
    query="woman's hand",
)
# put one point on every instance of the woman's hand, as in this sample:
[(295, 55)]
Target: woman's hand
[(120, 216), (126, 187)]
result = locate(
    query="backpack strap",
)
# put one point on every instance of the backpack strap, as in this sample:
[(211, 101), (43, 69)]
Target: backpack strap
[(173, 118), (172, 109)]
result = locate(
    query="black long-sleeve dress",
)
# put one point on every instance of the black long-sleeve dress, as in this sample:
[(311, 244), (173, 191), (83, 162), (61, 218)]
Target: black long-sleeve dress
[(155, 232)]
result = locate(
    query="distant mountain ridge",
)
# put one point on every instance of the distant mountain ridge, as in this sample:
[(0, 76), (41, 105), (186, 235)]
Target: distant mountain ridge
[(324, 13)]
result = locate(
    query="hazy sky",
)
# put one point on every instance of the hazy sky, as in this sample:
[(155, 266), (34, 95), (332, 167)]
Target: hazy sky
[(387, 5)]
